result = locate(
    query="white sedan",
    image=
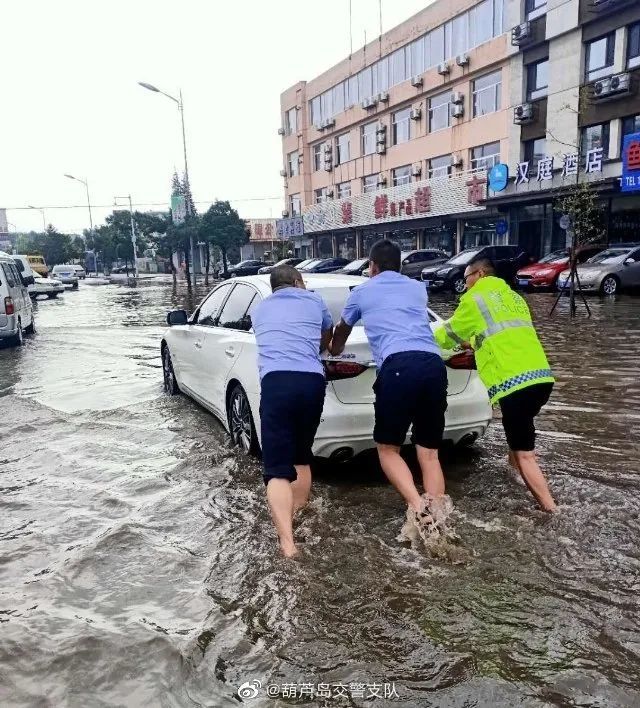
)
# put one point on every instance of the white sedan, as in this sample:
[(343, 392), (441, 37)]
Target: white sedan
[(45, 286), (211, 357)]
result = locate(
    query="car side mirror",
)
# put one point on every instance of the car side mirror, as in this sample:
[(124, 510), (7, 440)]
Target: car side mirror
[(177, 317), (28, 280), (629, 261)]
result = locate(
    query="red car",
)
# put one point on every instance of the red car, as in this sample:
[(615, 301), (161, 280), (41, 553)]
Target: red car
[(544, 274)]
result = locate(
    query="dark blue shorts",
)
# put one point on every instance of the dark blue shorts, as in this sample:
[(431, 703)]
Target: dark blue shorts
[(291, 405), (411, 390)]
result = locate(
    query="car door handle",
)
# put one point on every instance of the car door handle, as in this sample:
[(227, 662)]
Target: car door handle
[(230, 351), (197, 345)]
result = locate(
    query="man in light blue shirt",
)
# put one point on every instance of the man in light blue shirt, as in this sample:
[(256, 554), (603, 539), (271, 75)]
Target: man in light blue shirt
[(411, 386), (292, 326)]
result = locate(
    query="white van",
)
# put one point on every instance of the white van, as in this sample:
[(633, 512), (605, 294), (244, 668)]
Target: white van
[(16, 310)]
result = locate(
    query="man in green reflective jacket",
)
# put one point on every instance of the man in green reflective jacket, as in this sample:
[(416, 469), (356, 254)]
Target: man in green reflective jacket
[(495, 321)]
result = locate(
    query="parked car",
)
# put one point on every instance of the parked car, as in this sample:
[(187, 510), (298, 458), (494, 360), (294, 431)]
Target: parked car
[(413, 262), (609, 271), (544, 273), (45, 286), (211, 357), (250, 267), (80, 271), (325, 265), (28, 265), (356, 267), (66, 274), (305, 264), (285, 261), (450, 275), (16, 309)]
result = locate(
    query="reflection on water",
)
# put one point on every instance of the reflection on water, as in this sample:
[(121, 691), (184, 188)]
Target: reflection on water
[(138, 564)]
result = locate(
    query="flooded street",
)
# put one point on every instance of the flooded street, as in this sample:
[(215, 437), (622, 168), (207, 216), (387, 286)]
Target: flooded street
[(138, 564)]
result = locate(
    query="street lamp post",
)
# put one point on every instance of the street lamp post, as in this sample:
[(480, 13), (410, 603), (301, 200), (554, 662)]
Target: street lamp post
[(179, 102), (133, 232), (86, 186), (44, 219)]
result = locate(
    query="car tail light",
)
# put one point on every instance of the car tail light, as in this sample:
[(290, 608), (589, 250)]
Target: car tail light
[(464, 360), (336, 370), (8, 306)]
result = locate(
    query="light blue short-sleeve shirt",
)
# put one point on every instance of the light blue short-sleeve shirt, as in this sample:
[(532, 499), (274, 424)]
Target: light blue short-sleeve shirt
[(288, 325), (393, 309)]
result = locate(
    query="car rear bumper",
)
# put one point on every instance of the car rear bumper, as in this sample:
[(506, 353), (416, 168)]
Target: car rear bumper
[(347, 429), (8, 326)]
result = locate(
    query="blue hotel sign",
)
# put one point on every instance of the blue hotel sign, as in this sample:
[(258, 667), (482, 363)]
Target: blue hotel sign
[(499, 177), (631, 163)]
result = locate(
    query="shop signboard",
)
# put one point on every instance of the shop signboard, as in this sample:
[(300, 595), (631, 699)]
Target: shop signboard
[(290, 228), (499, 177), (461, 193), (631, 163), (261, 230)]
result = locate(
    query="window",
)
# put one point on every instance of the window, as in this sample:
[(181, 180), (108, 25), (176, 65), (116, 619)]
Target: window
[(342, 149), (317, 157), (401, 175), (596, 136), (534, 8), (439, 112), (291, 121), (344, 190), (369, 183), (418, 56), (401, 126), (9, 274), (293, 163), (397, 67), (369, 138), (436, 46), (629, 126), (481, 24), (365, 86), (633, 46), (440, 167), (211, 306), (338, 98), (534, 151), (537, 80), (320, 195), (459, 34), (235, 308), (599, 57), (487, 92), (295, 208), (484, 157)]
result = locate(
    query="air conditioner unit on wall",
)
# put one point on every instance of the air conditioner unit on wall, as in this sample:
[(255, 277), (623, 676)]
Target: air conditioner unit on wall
[(462, 60), (369, 103), (456, 160), (383, 97), (523, 114), (457, 110), (330, 193), (281, 131), (416, 170), (381, 148), (285, 214), (612, 87), (444, 68), (521, 34), (382, 180), (283, 173), (457, 97), (416, 113), (417, 81)]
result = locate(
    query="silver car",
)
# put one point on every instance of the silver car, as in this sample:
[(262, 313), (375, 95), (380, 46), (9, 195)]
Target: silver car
[(607, 272), (66, 274)]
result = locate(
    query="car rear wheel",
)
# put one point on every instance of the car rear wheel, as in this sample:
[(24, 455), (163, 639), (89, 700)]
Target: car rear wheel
[(168, 375), (75, 285), (52, 296), (458, 285), (610, 285), (241, 427), (31, 329)]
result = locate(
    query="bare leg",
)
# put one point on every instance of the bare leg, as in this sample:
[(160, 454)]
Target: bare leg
[(280, 498), (432, 476), (301, 488), (513, 462), (534, 479), (399, 474)]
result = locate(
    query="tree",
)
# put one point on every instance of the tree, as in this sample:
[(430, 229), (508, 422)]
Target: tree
[(56, 247), (222, 227)]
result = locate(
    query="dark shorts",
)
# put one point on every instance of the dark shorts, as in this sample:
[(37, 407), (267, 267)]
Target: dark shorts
[(411, 390), (519, 410), (291, 405)]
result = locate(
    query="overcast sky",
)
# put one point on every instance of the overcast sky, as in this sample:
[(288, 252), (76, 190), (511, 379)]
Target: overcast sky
[(71, 103)]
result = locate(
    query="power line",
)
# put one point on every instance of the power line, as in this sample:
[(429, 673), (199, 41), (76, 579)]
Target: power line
[(139, 204)]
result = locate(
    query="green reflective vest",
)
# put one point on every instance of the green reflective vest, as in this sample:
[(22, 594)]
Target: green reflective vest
[(496, 322)]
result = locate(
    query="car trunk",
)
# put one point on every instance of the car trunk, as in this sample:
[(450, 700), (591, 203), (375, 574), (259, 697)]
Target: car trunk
[(358, 388)]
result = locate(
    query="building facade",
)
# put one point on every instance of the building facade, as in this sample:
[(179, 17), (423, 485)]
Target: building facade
[(399, 139), (575, 80), (394, 140)]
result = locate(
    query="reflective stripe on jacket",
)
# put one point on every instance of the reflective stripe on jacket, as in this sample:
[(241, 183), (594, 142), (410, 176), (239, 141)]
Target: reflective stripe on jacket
[(496, 322)]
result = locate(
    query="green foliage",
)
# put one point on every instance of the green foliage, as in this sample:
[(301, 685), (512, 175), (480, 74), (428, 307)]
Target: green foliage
[(223, 228), (586, 212), (54, 246)]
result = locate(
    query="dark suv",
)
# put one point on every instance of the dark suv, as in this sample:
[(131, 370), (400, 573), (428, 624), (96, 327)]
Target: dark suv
[(450, 275), (414, 261), (247, 268)]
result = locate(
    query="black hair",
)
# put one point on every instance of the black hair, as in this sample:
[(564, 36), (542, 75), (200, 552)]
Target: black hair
[(284, 276), (486, 264), (386, 255)]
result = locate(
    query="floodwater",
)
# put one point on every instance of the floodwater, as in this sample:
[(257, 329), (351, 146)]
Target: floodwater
[(138, 563)]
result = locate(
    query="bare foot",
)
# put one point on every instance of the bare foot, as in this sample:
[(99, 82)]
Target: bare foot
[(288, 549)]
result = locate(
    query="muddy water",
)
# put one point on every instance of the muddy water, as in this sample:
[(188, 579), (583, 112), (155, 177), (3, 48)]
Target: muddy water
[(137, 563)]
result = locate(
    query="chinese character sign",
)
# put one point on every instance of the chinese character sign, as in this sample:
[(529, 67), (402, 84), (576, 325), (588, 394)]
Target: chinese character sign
[(262, 229), (289, 228), (631, 163)]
